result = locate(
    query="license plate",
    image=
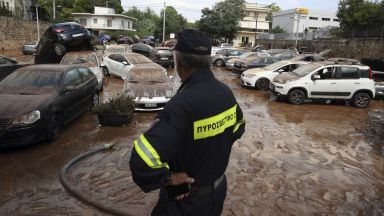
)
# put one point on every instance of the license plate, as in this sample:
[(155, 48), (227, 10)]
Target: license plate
[(77, 35), (149, 105), (164, 59)]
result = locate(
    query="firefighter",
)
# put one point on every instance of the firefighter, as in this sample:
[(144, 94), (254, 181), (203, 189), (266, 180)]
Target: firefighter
[(186, 150)]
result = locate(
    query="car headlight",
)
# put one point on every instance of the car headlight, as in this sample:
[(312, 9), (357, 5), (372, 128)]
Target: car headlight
[(28, 118)]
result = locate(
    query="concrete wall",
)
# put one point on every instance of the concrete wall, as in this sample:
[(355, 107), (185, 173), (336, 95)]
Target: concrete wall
[(362, 49), (15, 32)]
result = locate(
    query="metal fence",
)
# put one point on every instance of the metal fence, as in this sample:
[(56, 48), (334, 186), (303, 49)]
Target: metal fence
[(364, 32)]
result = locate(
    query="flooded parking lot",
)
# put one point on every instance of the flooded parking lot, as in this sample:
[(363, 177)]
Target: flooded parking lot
[(313, 159)]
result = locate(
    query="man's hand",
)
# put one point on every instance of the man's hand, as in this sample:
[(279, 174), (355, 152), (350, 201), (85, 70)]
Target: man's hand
[(178, 179)]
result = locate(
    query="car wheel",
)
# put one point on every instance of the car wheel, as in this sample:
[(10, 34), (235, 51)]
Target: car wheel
[(59, 49), (219, 63), (55, 127), (262, 84), (361, 100), (296, 97), (105, 71)]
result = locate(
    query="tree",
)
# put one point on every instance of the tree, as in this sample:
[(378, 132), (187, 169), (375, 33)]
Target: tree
[(223, 20), (360, 13), (277, 29), (274, 8), (146, 20), (174, 23)]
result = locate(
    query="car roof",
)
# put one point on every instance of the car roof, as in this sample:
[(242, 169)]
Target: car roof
[(163, 48), (65, 23), (80, 52), (54, 68), (340, 61)]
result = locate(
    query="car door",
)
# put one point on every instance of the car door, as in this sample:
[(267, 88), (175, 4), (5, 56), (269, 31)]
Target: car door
[(72, 93), (326, 86), (348, 81), (120, 67), (111, 63), (90, 87)]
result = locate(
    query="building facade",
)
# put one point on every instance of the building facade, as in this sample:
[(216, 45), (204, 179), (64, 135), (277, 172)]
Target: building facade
[(104, 19), (300, 20), (253, 23)]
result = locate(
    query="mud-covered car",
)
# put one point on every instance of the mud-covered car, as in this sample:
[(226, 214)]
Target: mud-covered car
[(120, 48), (253, 62), (378, 77), (119, 65), (86, 58), (8, 66), (141, 48), (151, 89), (38, 100), (162, 56), (60, 38), (231, 62), (222, 56)]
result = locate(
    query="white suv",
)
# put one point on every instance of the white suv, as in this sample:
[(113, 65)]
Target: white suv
[(261, 77), (327, 80)]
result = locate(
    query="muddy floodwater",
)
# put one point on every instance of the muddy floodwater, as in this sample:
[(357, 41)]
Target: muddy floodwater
[(313, 159)]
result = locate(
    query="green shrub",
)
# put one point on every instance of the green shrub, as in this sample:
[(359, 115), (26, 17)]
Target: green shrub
[(120, 104)]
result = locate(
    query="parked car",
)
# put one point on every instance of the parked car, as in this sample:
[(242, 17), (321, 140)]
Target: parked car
[(117, 48), (141, 48), (308, 57), (222, 56), (261, 77), (29, 48), (60, 38), (231, 62), (37, 101), (7, 66), (378, 77), (151, 89), (253, 62), (326, 80), (225, 45), (89, 59), (284, 55), (120, 64), (162, 56), (170, 43), (125, 40)]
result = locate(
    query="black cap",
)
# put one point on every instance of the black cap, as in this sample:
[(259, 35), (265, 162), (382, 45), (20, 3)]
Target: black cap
[(194, 42)]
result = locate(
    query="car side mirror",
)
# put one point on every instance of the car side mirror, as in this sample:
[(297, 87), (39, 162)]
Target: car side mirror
[(125, 63), (316, 77), (281, 70)]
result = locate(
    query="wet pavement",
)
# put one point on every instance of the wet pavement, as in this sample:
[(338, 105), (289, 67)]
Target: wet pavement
[(313, 159)]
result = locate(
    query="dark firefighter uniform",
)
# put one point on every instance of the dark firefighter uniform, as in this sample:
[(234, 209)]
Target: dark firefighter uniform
[(194, 134)]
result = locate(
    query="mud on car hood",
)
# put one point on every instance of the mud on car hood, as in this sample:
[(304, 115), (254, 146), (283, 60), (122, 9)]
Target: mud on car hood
[(254, 71), (285, 76), (148, 89), (13, 105), (147, 67)]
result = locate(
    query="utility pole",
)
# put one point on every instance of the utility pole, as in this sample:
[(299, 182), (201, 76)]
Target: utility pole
[(37, 23), (256, 15), (164, 24), (297, 28), (54, 9)]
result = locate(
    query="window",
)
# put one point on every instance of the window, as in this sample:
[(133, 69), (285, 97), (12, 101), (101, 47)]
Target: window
[(83, 21), (4, 61), (94, 21), (72, 78), (109, 23), (129, 25), (7, 5), (349, 73), (336, 20), (85, 73), (314, 18), (303, 17), (327, 73), (326, 19)]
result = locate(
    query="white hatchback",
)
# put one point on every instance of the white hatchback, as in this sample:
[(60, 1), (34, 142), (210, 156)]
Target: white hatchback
[(327, 80), (261, 77)]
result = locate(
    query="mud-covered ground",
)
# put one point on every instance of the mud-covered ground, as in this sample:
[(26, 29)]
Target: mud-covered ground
[(314, 159)]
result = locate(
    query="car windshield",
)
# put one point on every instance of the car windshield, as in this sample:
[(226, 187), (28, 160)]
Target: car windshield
[(306, 69), (32, 79), (274, 66), (138, 59), (152, 76), (79, 58)]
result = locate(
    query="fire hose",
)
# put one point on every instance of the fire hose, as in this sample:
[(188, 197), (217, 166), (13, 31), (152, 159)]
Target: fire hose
[(66, 183)]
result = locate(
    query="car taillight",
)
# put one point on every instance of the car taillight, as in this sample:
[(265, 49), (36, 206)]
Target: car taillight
[(370, 73), (59, 30)]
